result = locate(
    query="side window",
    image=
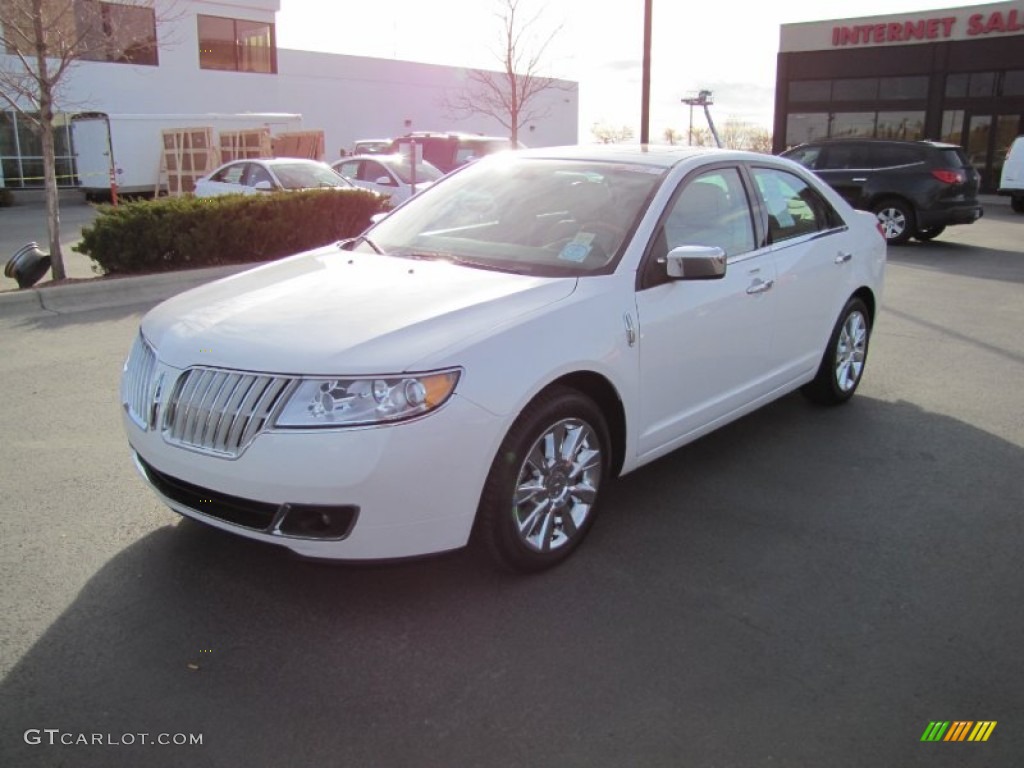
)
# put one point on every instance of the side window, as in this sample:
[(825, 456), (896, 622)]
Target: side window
[(793, 207), (712, 210), (895, 156), (806, 156), (841, 157), (372, 171), (230, 175), (258, 173), (349, 170)]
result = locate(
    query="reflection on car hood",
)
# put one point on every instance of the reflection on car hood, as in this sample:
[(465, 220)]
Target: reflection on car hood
[(335, 312)]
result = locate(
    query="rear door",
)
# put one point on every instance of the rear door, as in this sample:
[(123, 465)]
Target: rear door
[(813, 253), (846, 168)]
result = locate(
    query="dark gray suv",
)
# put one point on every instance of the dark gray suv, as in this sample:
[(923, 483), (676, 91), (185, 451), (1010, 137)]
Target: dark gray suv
[(916, 188)]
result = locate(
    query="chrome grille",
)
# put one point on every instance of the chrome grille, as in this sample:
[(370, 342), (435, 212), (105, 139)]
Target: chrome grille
[(220, 411), (137, 382)]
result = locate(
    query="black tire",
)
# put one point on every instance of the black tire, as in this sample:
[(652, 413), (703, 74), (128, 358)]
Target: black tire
[(842, 364), (1017, 203), (897, 219), (930, 233), (566, 491)]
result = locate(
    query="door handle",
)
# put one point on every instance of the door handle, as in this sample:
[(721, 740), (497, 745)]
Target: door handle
[(842, 258), (864, 179), (760, 286)]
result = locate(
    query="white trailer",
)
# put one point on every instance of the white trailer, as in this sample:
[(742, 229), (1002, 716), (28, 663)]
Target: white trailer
[(128, 148)]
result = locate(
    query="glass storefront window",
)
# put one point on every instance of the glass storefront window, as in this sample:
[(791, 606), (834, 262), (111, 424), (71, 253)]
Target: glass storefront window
[(8, 145), (956, 85), (21, 152), (907, 126), (1013, 82), (855, 89), (899, 88), (952, 126), (982, 84), (853, 125), (805, 127), (810, 90)]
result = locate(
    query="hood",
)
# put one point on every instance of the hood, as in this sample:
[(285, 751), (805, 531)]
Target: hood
[(333, 312)]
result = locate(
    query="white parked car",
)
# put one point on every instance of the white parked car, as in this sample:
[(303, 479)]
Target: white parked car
[(272, 174), (387, 174), (491, 354)]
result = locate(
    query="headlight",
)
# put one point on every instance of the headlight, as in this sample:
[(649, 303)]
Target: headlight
[(352, 402)]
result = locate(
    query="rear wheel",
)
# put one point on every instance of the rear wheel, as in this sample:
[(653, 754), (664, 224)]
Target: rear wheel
[(842, 365), (1017, 203), (897, 220), (930, 233), (541, 494)]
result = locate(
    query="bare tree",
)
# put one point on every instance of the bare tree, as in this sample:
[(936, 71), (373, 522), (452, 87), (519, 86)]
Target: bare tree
[(607, 134), (737, 134), (510, 95), (40, 41)]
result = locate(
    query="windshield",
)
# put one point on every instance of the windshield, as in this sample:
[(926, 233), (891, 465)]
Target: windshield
[(307, 176), (524, 215)]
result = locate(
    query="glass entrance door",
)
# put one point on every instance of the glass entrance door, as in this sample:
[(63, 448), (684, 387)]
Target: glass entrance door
[(978, 146)]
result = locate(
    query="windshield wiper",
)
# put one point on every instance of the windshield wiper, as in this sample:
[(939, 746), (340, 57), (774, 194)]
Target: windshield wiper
[(363, 238)]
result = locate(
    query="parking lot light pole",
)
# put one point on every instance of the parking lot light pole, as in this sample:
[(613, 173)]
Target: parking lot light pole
[(645, 99)]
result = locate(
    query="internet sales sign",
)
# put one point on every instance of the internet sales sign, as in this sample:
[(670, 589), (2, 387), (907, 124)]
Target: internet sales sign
[(953, 27)]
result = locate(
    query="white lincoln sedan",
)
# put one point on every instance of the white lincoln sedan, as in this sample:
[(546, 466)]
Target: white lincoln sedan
[(484, 360)]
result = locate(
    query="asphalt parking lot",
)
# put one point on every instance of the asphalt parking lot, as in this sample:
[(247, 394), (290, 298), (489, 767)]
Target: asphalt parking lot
[(804, 587)]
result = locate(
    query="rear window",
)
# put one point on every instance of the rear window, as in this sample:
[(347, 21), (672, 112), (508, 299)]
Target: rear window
[(953, 157)]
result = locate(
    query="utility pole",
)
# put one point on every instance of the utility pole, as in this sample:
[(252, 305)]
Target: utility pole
[(645, 104)]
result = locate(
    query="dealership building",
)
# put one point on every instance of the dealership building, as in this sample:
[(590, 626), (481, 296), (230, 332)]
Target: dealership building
[(952, 74), (196, 57)]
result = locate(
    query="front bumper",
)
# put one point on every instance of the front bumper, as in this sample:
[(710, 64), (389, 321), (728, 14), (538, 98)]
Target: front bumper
[(383, 492)]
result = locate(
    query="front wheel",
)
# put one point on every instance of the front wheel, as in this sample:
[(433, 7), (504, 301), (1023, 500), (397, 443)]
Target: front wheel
[(897, 220), (1017, 203), (541, 494), (842, 365)]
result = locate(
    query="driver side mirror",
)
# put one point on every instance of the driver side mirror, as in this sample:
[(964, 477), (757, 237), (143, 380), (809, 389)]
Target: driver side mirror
[(263, 186), (695, 262)]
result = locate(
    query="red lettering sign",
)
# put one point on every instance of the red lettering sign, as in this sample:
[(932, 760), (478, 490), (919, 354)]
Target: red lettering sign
[(936, 28)]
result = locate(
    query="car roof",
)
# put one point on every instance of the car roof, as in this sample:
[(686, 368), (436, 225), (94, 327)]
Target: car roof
[(391, 158), (868, 140), (653, 155)]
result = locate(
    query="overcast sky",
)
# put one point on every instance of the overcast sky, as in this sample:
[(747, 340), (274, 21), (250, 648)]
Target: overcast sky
[(728, 47)]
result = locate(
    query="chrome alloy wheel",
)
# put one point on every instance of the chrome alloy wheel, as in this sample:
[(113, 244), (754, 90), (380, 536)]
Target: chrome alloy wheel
[(851, 349), (557, 485), (894, 222)]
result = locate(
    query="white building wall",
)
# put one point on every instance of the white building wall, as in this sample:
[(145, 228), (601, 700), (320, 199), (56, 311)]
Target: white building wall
[(348, 97)]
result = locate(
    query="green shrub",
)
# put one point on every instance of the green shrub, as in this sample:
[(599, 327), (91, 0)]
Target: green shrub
[(187, 232), (6, 197)]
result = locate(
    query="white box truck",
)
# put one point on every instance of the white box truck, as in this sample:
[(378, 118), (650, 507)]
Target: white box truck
[(1011, 184), (128, 148)]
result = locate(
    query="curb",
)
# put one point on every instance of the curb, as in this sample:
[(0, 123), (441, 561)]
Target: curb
[(108, 293)]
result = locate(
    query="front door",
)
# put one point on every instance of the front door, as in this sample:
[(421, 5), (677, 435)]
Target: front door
[(706, 345)]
